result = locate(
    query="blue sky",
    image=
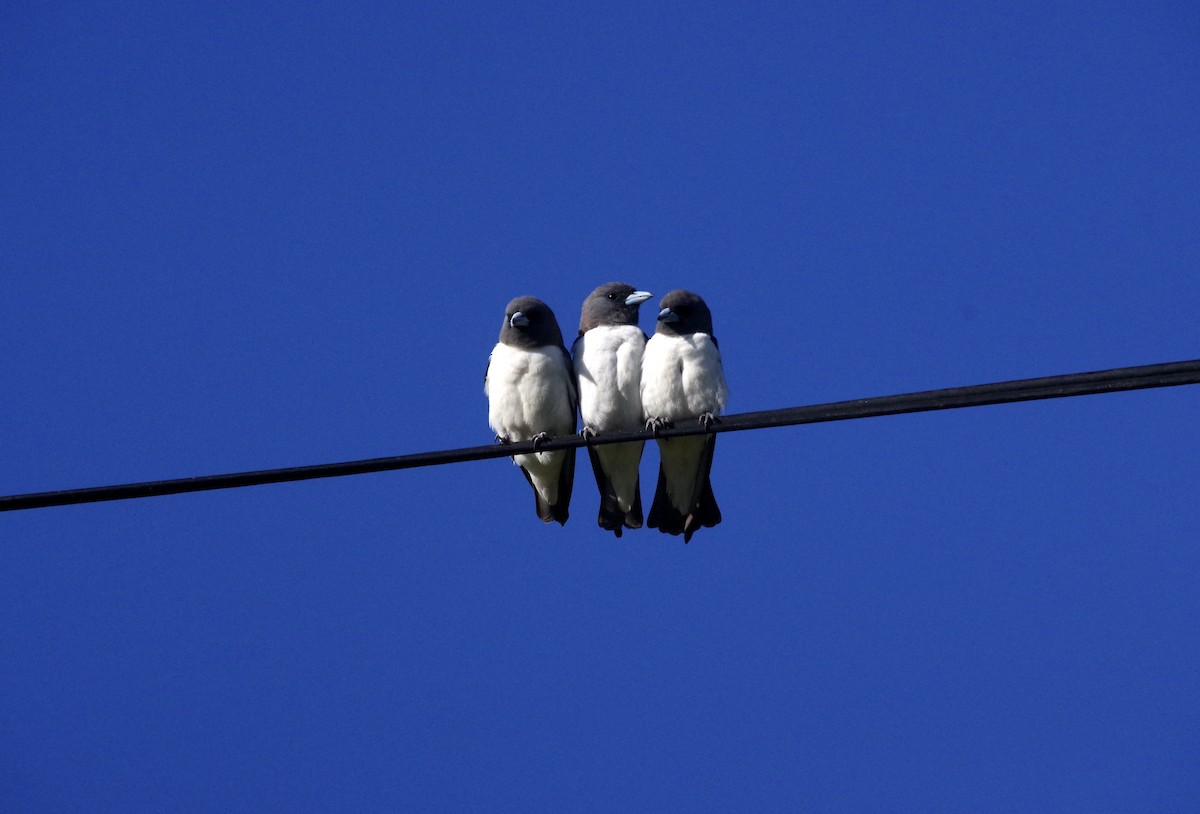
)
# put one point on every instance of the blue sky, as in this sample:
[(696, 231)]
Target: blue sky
[(241, 238)]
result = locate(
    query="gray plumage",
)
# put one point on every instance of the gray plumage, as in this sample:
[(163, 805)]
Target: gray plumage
[(608, 367), (530, 385), (682, 378)]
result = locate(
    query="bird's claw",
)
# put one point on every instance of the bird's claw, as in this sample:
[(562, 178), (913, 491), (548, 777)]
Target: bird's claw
[(657, 424), (539, 439), (588, 432), (707, 420), (503, 439)]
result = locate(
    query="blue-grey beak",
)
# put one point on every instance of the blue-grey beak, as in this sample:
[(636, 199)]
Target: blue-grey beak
[(518, 320), (638, 297), (667, 315)]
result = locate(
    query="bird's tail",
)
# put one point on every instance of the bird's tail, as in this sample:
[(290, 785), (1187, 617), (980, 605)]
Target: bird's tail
[(612, 517), (559, 510), (702, 507)]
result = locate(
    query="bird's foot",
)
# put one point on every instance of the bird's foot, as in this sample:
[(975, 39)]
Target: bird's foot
[(588, 432), (707, 420), (503, 439), (657, 424), (539, 439)]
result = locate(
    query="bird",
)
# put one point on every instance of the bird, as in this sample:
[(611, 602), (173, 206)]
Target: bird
[(683, 378), (608, 370), (530, 386)]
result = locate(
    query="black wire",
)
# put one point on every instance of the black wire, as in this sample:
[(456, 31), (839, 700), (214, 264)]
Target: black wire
[(1074, 384)]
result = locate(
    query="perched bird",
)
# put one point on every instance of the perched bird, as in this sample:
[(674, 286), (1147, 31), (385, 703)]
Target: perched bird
[(682, 378), (530, 387), (608, 370)]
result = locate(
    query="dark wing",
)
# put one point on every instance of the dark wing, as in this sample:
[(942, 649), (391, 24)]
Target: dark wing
[(566, 479), (574, 385), (566, 482), (705, 511)]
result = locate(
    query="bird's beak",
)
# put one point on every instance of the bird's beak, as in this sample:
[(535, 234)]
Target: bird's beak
[(667, 315), (638, 297), (518, 320)]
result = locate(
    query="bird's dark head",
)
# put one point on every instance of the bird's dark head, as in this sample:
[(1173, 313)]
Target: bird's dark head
[(612, 304), (684, 313), (529, 323)]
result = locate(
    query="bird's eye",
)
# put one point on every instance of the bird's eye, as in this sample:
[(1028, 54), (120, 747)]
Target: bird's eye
[(612, 295)]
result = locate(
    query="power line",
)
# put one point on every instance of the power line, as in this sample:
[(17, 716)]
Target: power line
[(1073, 384)]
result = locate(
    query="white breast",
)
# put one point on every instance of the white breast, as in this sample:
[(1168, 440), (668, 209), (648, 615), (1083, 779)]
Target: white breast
[(682, 377), (529, 391), (608, 367)]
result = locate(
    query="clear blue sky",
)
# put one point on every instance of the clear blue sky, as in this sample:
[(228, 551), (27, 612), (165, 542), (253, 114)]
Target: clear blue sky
[(241, 236)]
